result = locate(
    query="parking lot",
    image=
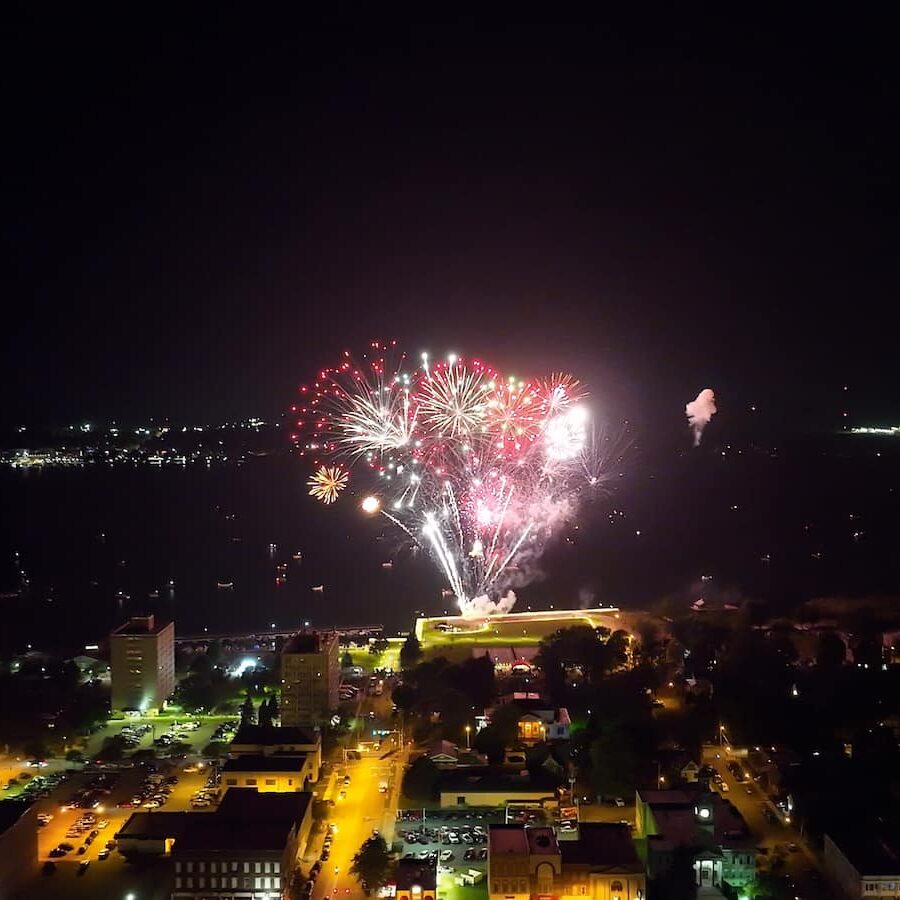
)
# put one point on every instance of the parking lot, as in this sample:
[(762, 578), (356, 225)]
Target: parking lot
[(456, 840)]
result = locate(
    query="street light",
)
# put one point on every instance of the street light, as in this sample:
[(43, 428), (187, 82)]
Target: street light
[(468, 732)]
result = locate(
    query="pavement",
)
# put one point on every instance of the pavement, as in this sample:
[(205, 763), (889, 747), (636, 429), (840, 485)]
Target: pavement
[(112, 877)]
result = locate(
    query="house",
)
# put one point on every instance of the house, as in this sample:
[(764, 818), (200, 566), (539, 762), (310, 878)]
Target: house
[(538, 721), (863, 864), (724, 850), (690, 771), (526, 862)]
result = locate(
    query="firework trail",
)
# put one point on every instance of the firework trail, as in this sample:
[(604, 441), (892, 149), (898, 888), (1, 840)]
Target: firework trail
[(477, 467)]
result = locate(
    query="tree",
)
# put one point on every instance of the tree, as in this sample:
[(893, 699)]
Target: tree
[(613, 762), (404, 696), (830, 651), (36, 749), (248, 713), (503, 731), (113, 748), (371, 865), (420, 780), (74, 756), (274, 709), (216, 749), (410, 652), (346, 660), (378, 646), (265, 713), (214, 652)]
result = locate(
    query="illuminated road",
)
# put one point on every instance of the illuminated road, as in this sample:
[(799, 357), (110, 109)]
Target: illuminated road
[(363, 809), (771, 836)]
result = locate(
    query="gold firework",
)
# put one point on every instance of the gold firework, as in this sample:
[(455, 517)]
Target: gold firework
[(327, 483)]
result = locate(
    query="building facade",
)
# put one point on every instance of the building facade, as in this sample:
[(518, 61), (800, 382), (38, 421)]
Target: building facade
[(246, 850), (275, 773), (310, 678), (142, 665), (864, 865), (527, 863), (18, 845)]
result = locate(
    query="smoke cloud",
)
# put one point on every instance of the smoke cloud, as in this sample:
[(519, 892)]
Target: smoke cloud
[(479, 607), (700, 411)]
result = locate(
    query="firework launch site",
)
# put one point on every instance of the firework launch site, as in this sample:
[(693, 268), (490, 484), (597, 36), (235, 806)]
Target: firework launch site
[(514, 629)]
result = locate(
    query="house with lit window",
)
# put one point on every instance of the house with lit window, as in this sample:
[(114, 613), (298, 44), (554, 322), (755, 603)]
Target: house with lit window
[(247, 849), (526, 862), (714, 830), (538, 720)]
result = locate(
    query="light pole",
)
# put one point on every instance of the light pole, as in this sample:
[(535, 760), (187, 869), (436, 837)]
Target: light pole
[(468, 732)]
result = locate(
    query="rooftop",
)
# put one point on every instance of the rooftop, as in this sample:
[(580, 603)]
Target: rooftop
[(307, 642), (10, 813), (272, 735), (247, 804), (871, 854), (541, 840), (602, 845), (140, 625), (677, 823), (258, 762), (507, 839), (155, 825), (497, 780)]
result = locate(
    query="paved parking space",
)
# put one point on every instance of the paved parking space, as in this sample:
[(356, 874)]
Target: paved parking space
[(456, 839)]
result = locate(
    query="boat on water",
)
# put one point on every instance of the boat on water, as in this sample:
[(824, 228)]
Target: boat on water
[(387, 565), (297, 555), (153, 595), (225, 585), (319, 588)]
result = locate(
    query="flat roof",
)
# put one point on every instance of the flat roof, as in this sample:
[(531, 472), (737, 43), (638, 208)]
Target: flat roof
[(871, 854), (247, 803), (273, 735), (258, 762), (140, 626), (159, 825), (674, 814), (507, 839), (493, 780), (603, 845), (10, 813), (308, 642)]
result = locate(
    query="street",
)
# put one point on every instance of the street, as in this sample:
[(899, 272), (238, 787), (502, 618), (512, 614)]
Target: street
[(772, 835)]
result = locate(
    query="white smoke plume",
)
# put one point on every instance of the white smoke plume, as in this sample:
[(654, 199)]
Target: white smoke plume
[(479, 607), (700, 411)]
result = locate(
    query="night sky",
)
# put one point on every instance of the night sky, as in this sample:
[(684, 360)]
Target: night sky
[(200, 212)]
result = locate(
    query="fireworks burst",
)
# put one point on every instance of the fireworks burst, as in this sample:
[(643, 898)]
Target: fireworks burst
[(327, 483), (478, 468)]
